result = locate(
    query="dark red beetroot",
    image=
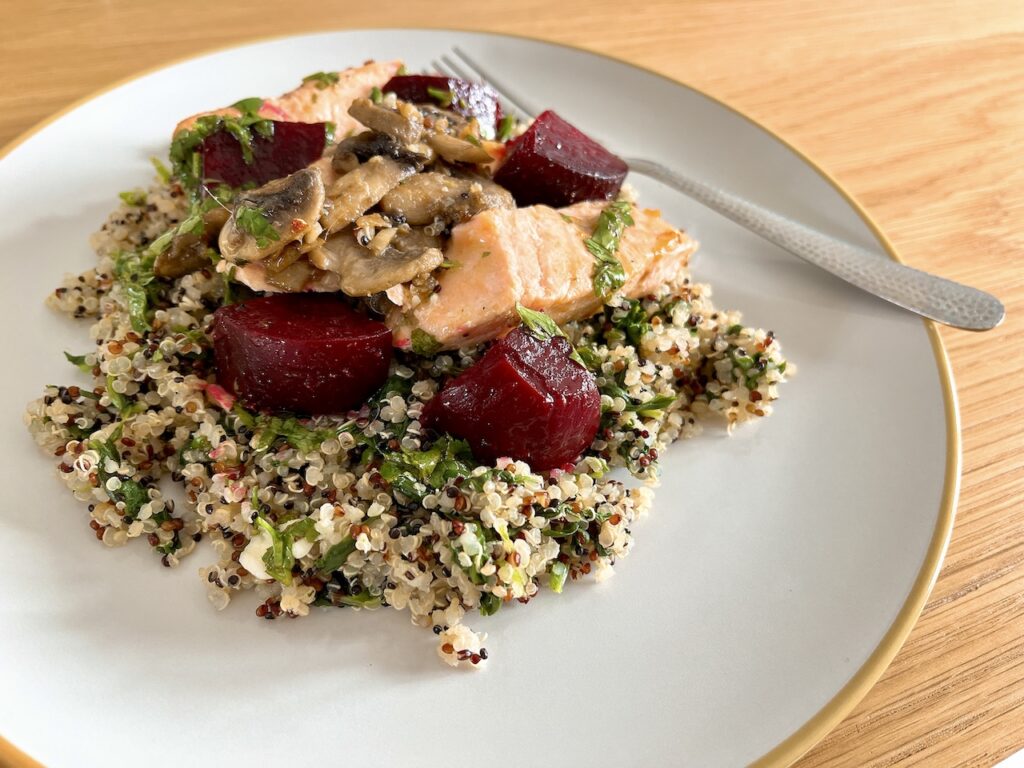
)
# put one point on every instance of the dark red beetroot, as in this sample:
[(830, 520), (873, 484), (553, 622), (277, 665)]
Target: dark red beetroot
[(468, 99), (553, 163), (524, 399), (291, 146), (306, 353)]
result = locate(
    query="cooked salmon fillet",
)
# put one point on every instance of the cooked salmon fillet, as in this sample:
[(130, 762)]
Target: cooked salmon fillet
[(318, 101), (536, 256)]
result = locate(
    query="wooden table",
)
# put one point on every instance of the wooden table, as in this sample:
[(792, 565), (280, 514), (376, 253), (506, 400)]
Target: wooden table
[(916, 107)]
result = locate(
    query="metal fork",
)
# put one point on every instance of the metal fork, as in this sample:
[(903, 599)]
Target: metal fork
[(927, 295)]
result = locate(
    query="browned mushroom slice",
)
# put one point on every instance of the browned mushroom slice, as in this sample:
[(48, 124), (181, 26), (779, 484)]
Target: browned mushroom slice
[(292, 278), (280, 261), (458, 150), (187, 251), (363, 274), (359, 190), (266, 219), (358, 149), (429, 196), (404, 123)]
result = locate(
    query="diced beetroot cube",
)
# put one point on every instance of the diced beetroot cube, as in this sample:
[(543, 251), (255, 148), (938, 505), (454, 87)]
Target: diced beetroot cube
[(466, 98), (306, 353), (525, 399), (553, 163), (291, 146)]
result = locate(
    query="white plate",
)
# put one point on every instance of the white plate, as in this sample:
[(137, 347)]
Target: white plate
[(777, 576)]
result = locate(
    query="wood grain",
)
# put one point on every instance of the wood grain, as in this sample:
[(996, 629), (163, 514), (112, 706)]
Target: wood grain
[(916, 107)]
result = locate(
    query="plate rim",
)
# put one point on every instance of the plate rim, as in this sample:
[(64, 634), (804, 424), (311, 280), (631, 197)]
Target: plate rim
[(819, 725)]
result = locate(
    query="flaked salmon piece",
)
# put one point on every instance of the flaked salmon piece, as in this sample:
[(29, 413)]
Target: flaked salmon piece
[(317, 100), (536, 256)]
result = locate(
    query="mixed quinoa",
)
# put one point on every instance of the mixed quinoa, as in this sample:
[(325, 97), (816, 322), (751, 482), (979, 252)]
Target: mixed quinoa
[(370, 509)]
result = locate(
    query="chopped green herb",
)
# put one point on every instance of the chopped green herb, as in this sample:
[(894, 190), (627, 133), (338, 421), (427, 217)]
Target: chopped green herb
[(322, 79), (162, 171), (732, 330), (567, 219), (415, 473), (301, 528), (130, 492), (256, 223), (79, 362), (362, 600), (485, 254), (136, 197), (134, 273), (294, 432), (658, 403), (336, 556), (590, 357), (542, 327), (248, 107), (741, 358), (559, 573), (489, 604), (402, 70), (609, 274), (424, 344), (278, 559), (444, 96), (634, 323), (376, 96), (185, 156), (506, 125), (329, 129)]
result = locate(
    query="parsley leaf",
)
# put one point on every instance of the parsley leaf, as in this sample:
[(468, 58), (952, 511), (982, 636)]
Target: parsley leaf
[(135, 197), (559, 573), (632, 324), (293, 431), (134, 273), (542, 327), (444, 96), (415, 473), (609, 274), (185, 155), (322, 79), (335, 557), (256, 223), (79, 362), (375, 95), (505, 127), (424, 344), (278, 559), (130, 492), (657, 403), (162, 171)]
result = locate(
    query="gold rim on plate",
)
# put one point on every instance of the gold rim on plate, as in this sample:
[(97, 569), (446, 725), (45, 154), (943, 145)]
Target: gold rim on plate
[(828, 717)]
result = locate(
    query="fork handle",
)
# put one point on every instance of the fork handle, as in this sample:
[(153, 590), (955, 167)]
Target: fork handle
[(928, 295)]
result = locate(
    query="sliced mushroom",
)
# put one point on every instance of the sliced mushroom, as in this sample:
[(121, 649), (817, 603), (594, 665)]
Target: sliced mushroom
[(290, 206), (358, 149), (280, 261), (359, 190), (292, 278), (429, 196), (458, 150), (404, 123), (363, 274), (187, 252)]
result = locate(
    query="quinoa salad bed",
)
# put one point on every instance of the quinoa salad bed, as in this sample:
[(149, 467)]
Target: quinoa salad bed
[(369, 510)]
